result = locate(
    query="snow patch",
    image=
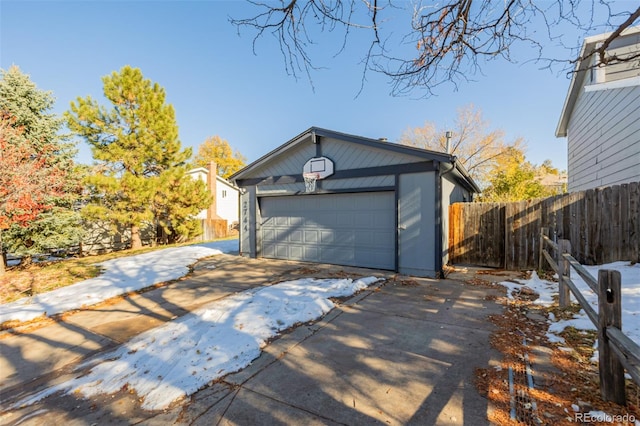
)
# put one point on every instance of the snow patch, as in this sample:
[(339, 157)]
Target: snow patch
[(120, 276), (630, 299), (178, 358)]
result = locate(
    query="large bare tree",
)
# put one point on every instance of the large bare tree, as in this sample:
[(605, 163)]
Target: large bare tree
[(444, 41), (478, 148)]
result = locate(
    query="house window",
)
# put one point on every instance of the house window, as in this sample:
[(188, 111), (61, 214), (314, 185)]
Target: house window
[(224, 193)]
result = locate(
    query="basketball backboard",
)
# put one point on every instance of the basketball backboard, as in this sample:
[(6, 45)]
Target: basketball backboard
[(321, 166)]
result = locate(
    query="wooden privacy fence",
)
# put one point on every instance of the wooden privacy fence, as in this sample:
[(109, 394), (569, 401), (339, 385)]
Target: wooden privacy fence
[(616, 351), (603, 223)]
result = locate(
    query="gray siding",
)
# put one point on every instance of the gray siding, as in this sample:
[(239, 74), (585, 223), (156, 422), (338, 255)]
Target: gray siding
[(353, 156), (604, 138), (365, 182), (416, 224), (283, 188), (619, 71), (345, 155), (289, 164), (248, 222)]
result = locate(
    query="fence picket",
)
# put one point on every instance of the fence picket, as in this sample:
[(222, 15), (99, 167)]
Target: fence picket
[(603, 225)]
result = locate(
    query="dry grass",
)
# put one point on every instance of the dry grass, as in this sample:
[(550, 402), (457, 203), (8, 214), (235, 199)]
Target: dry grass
[(19, 282)]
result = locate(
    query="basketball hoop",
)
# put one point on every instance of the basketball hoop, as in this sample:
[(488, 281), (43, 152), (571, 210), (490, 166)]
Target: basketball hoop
[(314, 169), (310, 181)]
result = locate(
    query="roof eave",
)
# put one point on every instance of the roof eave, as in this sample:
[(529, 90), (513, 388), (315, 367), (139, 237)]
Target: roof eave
[(572, 95), (238, 175), (441, 157), (404, 149), (466, 177)]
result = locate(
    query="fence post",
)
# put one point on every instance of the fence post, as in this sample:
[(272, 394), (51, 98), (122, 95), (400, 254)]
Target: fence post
[(564, 246), (612, 385), (544, 232)]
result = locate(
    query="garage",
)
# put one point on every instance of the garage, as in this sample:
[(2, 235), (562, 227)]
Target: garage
[(342, 229), (336, 198)]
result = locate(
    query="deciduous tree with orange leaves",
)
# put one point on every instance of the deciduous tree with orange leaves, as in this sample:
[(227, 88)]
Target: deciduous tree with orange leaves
[(216, 149), (27, 184), (477, 147), (39, 183)]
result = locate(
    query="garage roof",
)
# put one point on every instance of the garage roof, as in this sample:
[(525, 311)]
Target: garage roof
[(314, 132)]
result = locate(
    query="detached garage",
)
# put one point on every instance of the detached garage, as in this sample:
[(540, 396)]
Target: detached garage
[(329, 197)]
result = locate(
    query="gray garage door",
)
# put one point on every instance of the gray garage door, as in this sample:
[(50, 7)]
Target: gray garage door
[(342, 229)]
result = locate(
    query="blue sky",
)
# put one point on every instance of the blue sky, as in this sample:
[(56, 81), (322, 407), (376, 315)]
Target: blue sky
[(218, 86)]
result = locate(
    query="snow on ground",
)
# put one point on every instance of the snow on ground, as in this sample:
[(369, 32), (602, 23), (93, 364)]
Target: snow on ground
[(120, 276), (178, 358), (630, 299), (630, 315)]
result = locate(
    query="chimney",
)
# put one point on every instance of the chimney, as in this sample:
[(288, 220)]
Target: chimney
[(212, 186)]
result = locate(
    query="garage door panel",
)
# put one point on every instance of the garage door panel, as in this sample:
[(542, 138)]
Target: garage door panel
[(311, 253), (280, 235), (310, 236), (330, 254), (382, 237), (344, 220), (326, 216), (345, 229), (296, 236), (281, 221), (268, 222), (282, 251), (344, 239), (364, 238), (296, 252), (269, 251), (382, 218), (327, 237), (370, 256), (365, 221)]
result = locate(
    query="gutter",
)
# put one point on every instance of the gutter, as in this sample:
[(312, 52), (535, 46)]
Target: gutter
[(439, 265), (457, 166), (454, 160)]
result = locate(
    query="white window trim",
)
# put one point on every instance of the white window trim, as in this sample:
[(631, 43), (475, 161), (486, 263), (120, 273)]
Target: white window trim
[(618, 84)]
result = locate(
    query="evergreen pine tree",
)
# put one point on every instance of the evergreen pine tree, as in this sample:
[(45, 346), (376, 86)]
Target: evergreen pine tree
[(178, 204), (138, 156)]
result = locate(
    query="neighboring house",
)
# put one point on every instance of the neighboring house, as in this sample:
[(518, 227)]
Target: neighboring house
[(225, 204), (601, 116), (330, 197)]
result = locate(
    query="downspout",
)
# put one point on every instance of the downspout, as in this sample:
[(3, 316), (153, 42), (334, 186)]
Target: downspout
[(439, 212), (240, 232), (454, 159)]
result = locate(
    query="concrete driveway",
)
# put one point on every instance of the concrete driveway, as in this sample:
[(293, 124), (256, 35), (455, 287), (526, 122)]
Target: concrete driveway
[(402, 352)]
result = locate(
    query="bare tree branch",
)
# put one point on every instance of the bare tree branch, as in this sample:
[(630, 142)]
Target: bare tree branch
[(447, 42), (601, 50)]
